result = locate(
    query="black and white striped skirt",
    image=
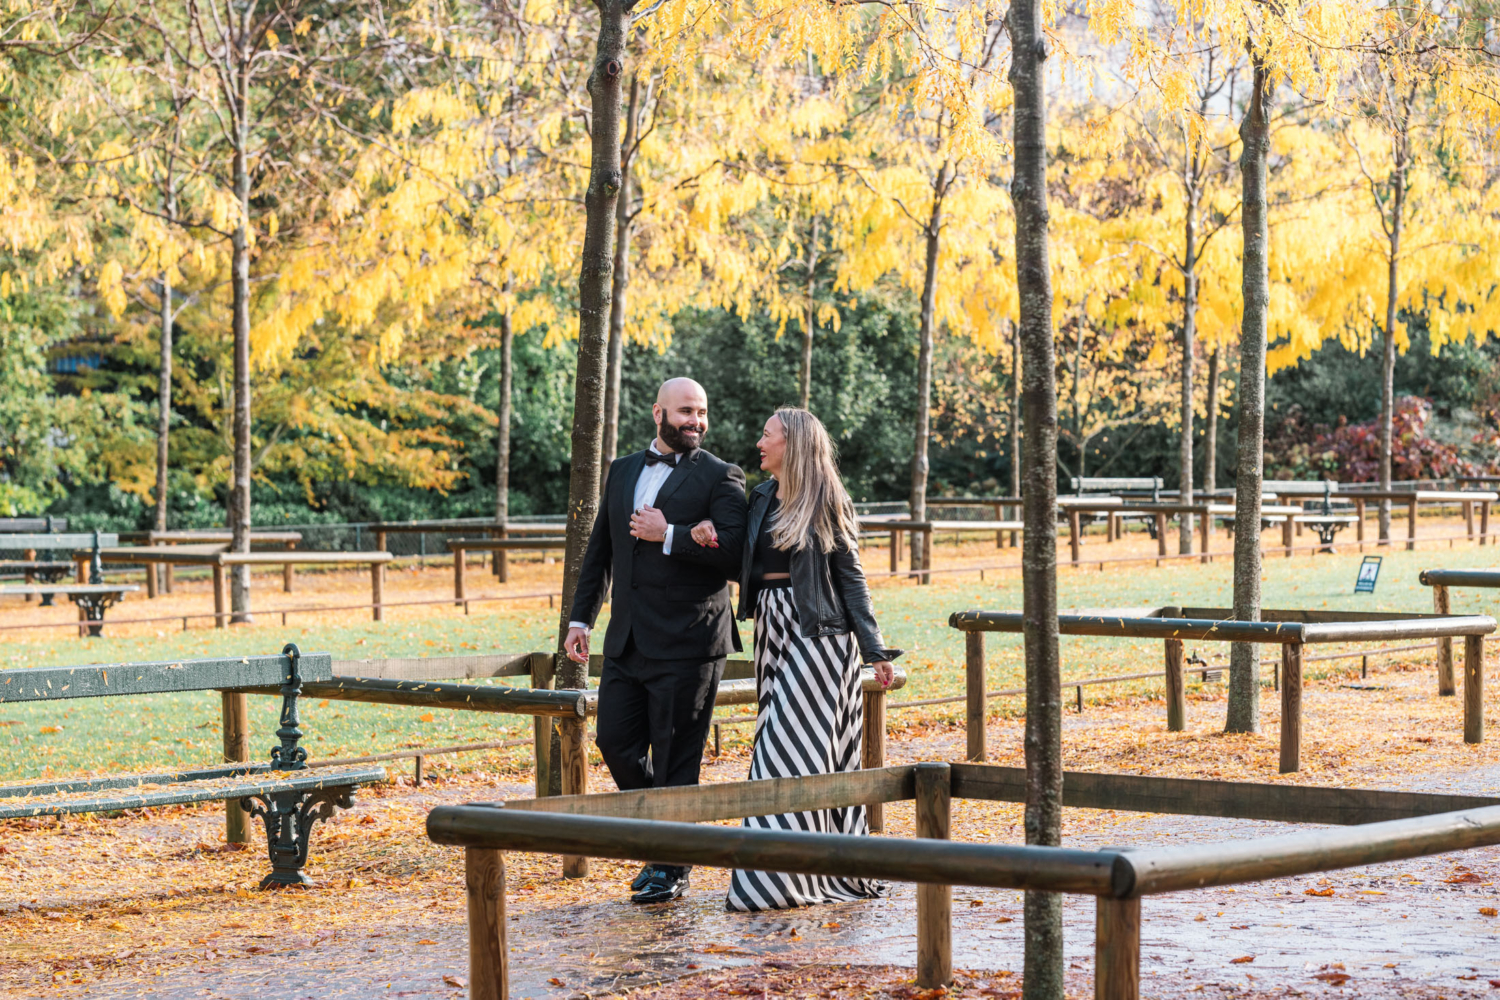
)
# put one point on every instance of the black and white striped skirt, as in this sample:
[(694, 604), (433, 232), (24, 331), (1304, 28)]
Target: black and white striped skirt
[(808, 723)]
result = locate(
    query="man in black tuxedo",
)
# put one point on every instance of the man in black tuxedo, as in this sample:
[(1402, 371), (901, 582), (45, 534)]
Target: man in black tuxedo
[(671, 623)]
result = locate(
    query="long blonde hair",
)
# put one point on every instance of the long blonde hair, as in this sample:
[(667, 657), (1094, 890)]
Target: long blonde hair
[(814, 504)]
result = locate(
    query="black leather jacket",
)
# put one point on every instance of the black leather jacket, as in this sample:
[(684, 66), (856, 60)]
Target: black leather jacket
[(829, 591)]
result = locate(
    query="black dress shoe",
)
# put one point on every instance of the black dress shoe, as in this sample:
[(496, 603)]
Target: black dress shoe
[(639, 882), (664, 884)]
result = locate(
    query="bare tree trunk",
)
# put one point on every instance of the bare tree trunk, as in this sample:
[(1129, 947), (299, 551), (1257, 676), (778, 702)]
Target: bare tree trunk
[(924, 370), (1244, 671), (1211, 428), (164, 394), (810, 324), (502, 445), (240, 514), (619, 287), (1189, 334), (1015, 411), (1044, 964), (594, 284), (1388, 356)]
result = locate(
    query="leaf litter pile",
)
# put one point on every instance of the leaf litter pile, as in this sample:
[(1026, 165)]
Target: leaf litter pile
[(154, 903)]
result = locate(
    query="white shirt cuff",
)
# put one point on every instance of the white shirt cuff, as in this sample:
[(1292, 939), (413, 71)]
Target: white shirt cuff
[(666, 544), (581, 625)]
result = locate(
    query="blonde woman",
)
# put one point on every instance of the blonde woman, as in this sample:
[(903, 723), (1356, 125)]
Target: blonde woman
[(802, 582)]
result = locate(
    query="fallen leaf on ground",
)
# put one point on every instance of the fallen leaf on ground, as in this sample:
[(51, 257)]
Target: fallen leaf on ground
[(1487, 911), (1333, 978), (455, 981), (1242, 960), (1317, 892), (426, 941)]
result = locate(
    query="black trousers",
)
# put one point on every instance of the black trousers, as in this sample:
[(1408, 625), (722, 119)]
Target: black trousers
[(654, 716)]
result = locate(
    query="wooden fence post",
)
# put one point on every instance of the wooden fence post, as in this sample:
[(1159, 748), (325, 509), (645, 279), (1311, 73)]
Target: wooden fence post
[(872, 754), (1205, 535), (1469, 518), (1075, 530), (1288, 526), (1176, 695), (1359, 523), (895, 550), (219, 602), (502, 558), (1411, 524), (458, 576), (977, 713), (489, 965), (236, 725), (542, 673), (575, 780), (288, 571), (1291, 707), (377, 591), (934, 902), (1484, 521), (1440, 605), (1117, 949), (1473, 689)]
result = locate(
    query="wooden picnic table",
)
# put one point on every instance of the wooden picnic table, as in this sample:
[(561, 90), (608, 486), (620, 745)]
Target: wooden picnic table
[(1006, 510), (500, 547), (1157, 512), (494, 529), (216, 558), (1468, 498), (287, 539)]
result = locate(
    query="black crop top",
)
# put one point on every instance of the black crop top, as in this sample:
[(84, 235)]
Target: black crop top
[(767, 557)]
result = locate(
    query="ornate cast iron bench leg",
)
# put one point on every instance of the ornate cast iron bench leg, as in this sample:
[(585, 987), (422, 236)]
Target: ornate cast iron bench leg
[(93, 606), (289, 818)]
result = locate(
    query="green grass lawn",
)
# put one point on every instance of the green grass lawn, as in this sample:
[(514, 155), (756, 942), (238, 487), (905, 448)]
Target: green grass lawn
[(125, 734)]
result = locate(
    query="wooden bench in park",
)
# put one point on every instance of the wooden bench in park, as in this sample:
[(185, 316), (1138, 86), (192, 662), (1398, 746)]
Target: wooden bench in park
[(90, 593), (217, 558), (29, 566), (1291, 630), (283, 793), (288, 540), (662, 825), (500, 547), (435, 682), (1118, 484)]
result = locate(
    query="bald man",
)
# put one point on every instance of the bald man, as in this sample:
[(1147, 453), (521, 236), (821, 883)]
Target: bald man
[(671, 624)]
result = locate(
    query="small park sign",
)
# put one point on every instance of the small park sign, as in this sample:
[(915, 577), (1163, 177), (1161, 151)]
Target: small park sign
[(1369, 572)]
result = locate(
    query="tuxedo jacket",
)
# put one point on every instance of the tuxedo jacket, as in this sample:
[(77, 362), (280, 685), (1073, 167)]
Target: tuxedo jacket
[(675, 606)]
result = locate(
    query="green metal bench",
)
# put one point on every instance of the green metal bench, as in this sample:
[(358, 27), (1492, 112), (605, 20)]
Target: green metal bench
[(283, 793)]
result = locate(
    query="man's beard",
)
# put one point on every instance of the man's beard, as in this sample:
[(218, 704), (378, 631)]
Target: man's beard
[(677, 438)]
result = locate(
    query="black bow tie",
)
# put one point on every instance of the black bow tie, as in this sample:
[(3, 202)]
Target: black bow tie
[(652, 458)]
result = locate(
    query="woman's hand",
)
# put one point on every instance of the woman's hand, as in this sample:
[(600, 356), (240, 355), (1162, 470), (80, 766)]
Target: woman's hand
[(885, 673), (705, 534)]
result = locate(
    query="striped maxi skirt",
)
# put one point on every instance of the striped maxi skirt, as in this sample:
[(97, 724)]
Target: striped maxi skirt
[(808, 723)]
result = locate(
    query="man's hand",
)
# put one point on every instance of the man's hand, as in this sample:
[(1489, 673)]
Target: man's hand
[(577, 645), (649, 525)]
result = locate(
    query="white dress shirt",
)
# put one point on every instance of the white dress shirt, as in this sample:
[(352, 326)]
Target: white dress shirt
[(653, 476)]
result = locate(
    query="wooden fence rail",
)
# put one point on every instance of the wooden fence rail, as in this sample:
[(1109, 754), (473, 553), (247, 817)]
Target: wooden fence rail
[(658, 825), (1291, 630)]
